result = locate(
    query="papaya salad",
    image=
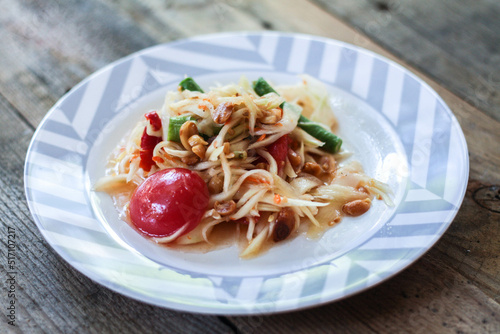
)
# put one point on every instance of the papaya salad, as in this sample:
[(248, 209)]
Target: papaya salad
[(244, 157)]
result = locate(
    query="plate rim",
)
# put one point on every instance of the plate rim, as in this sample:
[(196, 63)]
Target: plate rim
[(230, 308)]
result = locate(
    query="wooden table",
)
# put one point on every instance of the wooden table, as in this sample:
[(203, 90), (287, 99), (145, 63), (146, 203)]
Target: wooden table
[(46, 47)]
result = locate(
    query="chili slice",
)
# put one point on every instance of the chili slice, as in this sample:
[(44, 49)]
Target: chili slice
[(148, 143)]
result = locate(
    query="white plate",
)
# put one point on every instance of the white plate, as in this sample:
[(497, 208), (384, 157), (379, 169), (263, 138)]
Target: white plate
[(395, 124)]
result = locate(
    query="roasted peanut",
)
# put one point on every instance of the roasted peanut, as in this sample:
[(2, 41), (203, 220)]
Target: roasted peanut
[(223, 112), (225, 208), (271, 117), (196, 140), (190, 160), (312, 168), (328, 163), (199, 150), (227, 148), (284, 224), (357, 207), (215, 184), (187, 130), (294, 158), (334, 221)]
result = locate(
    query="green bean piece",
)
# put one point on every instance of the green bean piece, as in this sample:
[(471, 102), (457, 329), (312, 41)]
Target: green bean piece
[(191, 85), (262, 87), (174, 127), (332, 142), (303, 119)]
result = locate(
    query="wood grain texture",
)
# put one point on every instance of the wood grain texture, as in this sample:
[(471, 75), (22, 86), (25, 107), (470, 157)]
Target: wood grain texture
[(456, 43), (425, 298), (48, 47)]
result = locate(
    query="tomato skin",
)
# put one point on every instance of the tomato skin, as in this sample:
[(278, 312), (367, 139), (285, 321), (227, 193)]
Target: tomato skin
[(279, 151), (167, 201)]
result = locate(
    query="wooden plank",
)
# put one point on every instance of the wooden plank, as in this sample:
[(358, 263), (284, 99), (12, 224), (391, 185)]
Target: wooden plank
[(52, 297), (471, 244), (454, 43), (428, 297), (48, 47)]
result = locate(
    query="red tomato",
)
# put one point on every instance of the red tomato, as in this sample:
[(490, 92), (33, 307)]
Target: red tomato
[(167, 201), (279, 151)]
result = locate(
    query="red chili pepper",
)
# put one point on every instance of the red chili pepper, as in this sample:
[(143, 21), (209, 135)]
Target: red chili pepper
[(148, 142), (154, 120), (277, 198)]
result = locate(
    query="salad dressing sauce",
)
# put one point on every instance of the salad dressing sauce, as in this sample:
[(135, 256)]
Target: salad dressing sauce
[(225, 234)]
